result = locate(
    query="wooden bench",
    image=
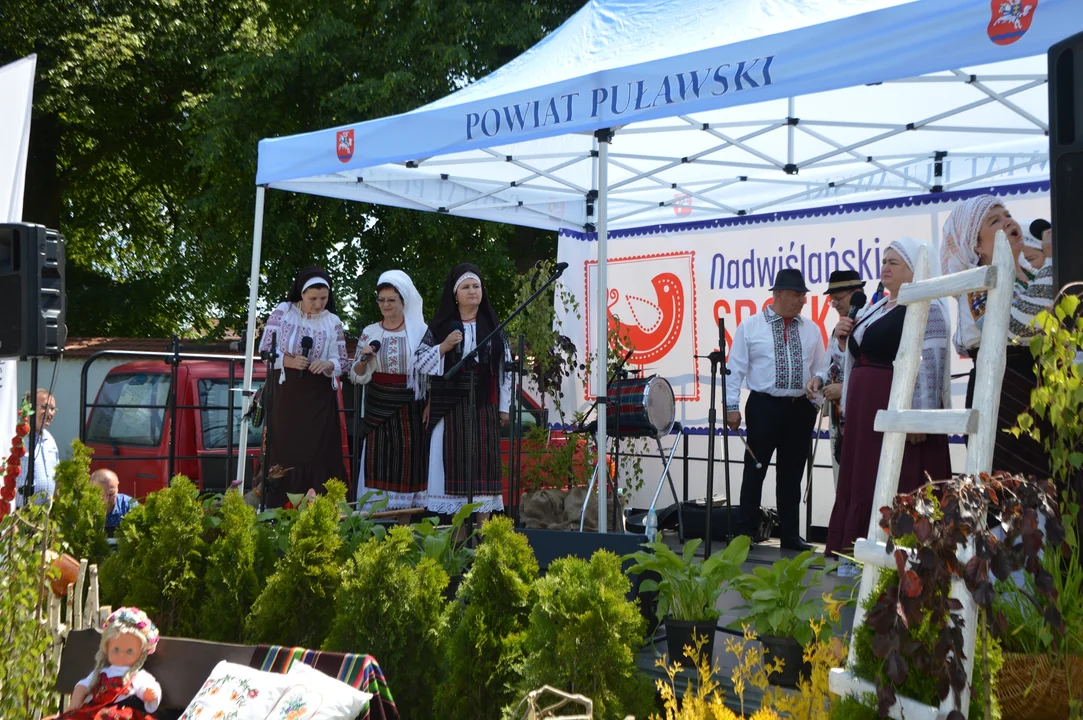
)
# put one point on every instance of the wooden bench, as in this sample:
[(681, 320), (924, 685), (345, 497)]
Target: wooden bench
[(181, 666)]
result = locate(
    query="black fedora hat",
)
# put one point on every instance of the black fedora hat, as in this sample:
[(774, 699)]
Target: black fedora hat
[(790, 279), (844, 280)]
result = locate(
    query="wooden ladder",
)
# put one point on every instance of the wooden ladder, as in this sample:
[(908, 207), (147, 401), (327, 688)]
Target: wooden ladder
[(979, 423)]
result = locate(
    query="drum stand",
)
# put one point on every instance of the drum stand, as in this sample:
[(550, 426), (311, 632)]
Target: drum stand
[(667, 461)]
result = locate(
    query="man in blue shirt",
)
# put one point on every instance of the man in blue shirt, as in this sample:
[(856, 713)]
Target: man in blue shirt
[(117, 504)]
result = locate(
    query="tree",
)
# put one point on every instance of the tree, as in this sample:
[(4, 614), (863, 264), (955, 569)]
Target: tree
[(144, 138)]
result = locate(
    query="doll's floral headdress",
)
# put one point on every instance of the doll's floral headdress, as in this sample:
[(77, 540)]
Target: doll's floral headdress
[(134, 619)]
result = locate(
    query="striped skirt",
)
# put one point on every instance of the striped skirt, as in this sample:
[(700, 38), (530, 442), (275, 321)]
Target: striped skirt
[(468, 440), (396, 441)]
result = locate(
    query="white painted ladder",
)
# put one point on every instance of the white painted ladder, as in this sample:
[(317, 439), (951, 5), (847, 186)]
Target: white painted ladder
[(898, 419)]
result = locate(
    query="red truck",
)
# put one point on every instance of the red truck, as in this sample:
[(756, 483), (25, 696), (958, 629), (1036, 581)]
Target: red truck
[(128, 428)]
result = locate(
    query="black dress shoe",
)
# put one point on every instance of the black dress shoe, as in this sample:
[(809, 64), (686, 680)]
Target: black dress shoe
[(796, 544)]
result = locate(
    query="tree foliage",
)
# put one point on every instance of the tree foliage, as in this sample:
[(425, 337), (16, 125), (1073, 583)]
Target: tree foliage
[(232, 583), (159, 564), (296, 606), (392, 609), (79, 507), (582, 615), (144, 139), (484, 652)]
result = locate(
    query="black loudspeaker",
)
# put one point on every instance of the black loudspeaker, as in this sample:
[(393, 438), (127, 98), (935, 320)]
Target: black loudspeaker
[(31, 291), (1066, 157)]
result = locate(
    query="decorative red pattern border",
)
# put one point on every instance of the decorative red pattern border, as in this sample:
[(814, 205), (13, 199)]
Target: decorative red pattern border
[(691, 255)]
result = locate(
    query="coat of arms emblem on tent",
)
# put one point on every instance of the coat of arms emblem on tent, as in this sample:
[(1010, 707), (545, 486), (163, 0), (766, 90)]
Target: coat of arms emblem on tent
[(1011, 20), (344, 144)]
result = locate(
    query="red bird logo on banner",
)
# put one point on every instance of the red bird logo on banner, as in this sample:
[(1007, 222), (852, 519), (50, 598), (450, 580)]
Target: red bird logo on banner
[(651, 342)]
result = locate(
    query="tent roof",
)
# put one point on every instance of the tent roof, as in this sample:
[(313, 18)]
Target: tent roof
[(720, 108)]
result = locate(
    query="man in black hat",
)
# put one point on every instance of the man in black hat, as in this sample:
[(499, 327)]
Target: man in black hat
[(843, 287), (775, 353)]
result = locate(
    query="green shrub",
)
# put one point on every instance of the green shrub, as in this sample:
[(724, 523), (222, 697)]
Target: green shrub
[(232, 584), (583, 635), (395, 611), (159, 564), (921, 686), (852, 708), (79, 507), (27, 669), (296, 606), (483, 654)]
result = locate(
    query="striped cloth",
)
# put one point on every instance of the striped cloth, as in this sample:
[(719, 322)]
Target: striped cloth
[(358, 671)]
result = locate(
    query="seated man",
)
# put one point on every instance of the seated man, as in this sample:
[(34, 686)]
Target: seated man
[(117, 504)]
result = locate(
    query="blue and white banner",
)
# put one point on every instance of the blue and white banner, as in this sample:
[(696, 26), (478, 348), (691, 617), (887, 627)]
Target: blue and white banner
[(618, 62), (670, 287)]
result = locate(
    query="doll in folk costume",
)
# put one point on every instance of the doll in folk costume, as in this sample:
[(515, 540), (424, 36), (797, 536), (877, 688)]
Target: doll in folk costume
[(119, 688)]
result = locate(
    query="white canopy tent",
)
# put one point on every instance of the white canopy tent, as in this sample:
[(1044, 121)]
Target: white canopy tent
[(733, 107)]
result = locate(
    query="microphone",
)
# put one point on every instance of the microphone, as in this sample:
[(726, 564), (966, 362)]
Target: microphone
[(457, 326), (1037, 227), (375, 345), (560, 268), (857, 301), (306, 347)]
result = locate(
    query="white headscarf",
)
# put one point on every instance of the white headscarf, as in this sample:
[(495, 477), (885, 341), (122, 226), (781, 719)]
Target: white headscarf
[(908, 249), (959, 250), (414, 317)]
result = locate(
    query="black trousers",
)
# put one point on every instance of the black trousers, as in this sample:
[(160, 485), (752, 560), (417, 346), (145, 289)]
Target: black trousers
[(781, 424)]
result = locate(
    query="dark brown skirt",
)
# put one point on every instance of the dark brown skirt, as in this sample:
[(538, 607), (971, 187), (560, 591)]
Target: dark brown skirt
[(305, 435), (1017, 455), (868, 393)]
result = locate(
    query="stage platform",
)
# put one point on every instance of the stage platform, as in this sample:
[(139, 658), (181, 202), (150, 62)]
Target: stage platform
[(761, 555)]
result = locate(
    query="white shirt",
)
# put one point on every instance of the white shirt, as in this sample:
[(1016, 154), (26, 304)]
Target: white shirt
[(46, 456), (770, 358), (142, 682)]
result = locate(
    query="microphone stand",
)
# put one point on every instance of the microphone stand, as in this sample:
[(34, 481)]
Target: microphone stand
[(470, 357), (718, 363), (271, 358)]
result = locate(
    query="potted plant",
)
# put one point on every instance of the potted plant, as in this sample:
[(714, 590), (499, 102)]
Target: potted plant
[(688, 588), (778, 609)]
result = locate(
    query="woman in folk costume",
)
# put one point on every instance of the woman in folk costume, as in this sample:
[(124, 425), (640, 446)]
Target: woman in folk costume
[(456, 436), (874, 341), (395, 459), (305, 432), (968, 243)]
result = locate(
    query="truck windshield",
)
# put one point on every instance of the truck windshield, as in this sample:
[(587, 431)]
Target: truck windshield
[(126, 418), (212, 394)]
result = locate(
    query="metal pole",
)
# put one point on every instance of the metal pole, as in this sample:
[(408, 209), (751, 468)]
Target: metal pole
[(521, 368), (28, 486), (229, 420), (250, 334), (602, 321), (174, 363)]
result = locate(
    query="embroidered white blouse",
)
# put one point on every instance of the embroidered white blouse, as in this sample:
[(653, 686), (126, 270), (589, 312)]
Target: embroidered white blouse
[(391, 358), (430, 362), (770, 358), (325, 329)]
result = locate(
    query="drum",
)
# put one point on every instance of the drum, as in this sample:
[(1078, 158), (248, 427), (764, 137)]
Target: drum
[(647, 407)]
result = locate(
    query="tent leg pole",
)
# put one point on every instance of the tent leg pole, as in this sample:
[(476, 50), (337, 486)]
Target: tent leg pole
[(602, 323), (250, 339)]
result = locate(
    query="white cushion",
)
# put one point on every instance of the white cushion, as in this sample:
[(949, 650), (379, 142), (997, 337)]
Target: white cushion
[(237, 692), (311, 695)]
